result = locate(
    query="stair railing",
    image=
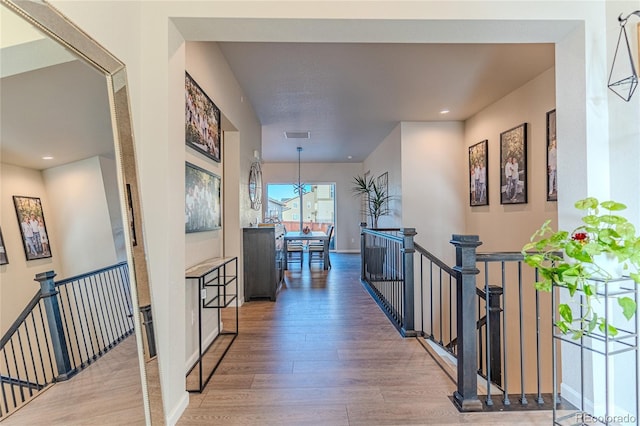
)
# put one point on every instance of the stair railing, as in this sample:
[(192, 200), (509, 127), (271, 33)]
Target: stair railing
[(65, 327), (388, 273), (492, 299)]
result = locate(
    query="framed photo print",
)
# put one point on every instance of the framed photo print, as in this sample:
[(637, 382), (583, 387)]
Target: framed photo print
[(478, 178), (383, 182), (552, 160), (202, 200), (3, 251), (513, 165), (32, 227), (202, 122)]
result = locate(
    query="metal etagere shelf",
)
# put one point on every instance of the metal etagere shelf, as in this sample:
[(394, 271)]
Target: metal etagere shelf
[(600, 354), (217, 289)]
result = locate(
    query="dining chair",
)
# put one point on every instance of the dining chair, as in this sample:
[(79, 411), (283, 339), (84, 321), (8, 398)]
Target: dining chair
[(316, 249), (295, 251)]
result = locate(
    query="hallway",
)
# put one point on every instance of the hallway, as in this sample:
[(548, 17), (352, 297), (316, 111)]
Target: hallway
[(325, 354)]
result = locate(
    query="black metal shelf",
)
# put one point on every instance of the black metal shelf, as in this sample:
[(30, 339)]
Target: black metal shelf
[(217, 289)]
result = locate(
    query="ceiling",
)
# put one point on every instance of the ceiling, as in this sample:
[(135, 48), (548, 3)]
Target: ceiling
[(349, 96), (51, 103)]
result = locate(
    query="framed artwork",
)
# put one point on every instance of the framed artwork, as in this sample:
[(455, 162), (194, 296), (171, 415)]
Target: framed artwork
[(32, 227), (383, 182), (513, 165), (3, 251), (202, 121), (202, 200), (479, 180), (552, 160)]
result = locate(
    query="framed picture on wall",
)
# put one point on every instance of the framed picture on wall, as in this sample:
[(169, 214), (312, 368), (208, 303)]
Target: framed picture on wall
[(202, 200), (202, 121), (3, 251), (383, 182), (32, 227), (513, 165), (478, 178), (552, 160)]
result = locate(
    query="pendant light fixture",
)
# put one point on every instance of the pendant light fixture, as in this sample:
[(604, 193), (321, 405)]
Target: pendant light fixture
[(623, 78), (299, 187)]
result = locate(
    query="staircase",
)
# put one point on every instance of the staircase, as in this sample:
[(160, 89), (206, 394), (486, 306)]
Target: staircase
[(65, 327)]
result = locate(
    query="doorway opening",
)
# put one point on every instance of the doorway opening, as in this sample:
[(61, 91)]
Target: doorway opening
[(318, 207)]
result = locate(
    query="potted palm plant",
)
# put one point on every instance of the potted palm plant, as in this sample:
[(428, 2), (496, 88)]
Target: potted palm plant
[(375, 196), (376, 201)]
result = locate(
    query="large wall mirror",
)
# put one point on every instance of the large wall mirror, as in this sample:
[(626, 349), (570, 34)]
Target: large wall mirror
[(67, 155)]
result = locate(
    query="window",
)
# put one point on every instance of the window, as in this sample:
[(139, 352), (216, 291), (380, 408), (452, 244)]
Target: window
[(318, 201)]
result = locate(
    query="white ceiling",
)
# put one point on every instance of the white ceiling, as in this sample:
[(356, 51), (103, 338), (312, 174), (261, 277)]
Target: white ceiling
[(51, 104), (349, 96)]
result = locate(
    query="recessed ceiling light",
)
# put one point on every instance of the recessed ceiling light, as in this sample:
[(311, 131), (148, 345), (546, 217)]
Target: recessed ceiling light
[(349, 157), (47, 157), (444, 111)]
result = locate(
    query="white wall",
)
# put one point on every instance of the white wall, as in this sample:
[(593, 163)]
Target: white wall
[(241, 129), (78, 202), (386, 158), (341, 174), (112, 192), (150, 44), (433, 184), (507, 227), (16, 279)]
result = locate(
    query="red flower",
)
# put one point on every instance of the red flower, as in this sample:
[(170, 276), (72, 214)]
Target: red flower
[(581, 237)]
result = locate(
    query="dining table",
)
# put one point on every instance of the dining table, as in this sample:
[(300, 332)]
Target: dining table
[(309, 236)]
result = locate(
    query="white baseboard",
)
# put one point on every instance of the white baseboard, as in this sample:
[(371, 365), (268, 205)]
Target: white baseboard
[(176, 412)]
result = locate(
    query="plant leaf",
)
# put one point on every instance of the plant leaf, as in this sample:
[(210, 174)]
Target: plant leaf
[(628, 307), (612, 206), (565, 312)]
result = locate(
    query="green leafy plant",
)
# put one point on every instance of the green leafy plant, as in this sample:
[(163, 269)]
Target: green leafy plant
[(573, 260), (376, 197)]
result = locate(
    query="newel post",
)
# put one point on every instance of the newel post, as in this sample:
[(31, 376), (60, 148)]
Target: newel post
[(408, 250), (48, 294), (466, 396)]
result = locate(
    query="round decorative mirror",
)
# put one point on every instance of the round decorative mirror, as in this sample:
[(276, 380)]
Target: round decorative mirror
[(255, 186)]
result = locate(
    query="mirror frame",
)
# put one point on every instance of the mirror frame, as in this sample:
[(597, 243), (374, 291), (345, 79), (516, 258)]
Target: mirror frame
[(54, 24)]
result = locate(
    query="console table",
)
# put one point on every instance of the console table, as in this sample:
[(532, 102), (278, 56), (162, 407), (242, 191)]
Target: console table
[(217, 281)]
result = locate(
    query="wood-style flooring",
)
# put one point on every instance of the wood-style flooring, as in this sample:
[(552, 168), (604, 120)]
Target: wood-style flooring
[(324, 354)]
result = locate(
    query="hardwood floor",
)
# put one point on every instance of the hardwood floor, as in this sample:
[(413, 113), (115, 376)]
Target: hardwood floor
[(325, 354)]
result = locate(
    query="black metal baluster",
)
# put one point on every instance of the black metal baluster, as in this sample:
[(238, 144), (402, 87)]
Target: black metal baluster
[(106, 332), (488, 323), (84, 339), (539, 399), (15, 363), (39, 350), (431, 297), (523, 396), (506, 400), (440, 282), (96, 311)]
